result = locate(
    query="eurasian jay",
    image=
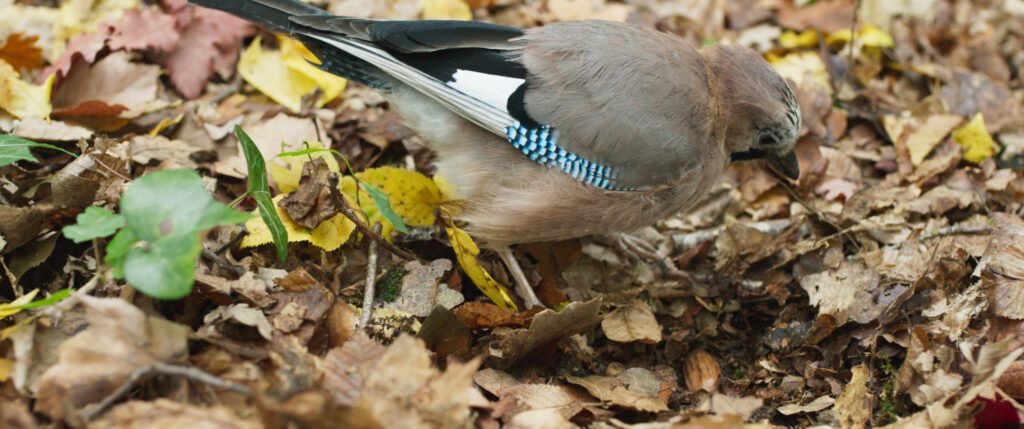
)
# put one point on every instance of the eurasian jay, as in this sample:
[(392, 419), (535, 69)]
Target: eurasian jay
[(561, 131)]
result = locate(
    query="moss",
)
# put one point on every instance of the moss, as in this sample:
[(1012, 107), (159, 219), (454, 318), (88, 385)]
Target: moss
[(889, 407), (389, 287)]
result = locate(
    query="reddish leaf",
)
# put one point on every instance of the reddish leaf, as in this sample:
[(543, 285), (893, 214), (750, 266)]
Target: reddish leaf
[(210, 41), (144, 29)]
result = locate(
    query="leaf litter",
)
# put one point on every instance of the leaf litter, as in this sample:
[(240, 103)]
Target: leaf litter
[(883, 289)]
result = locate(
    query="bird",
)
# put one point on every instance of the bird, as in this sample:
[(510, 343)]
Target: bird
[(566, 130)]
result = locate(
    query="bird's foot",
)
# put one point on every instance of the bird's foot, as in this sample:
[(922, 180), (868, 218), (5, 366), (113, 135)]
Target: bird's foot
[(636, 248), (523, 288)]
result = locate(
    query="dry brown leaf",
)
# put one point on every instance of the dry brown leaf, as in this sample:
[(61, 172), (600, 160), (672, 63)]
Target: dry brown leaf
[(854, 404), (635, 388), (111, 89), (164, 413), (119, 340), (929, 134), (814, 406), (828, 16), (43, 130), (422, 288), (632, 322), (744, 406), (479, 314), (508, 346), (218, 321), (850, 292), (1002, 267)]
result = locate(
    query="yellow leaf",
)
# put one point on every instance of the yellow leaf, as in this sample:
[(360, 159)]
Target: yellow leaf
[(9, 309), (868, 35), (82, 16), (5, 369), (286, 76), (413, 196), (287, 177), (791, 39), (445, 9), (23, 99), (975, 140), (802, 68), (466, 252), (329, 235)]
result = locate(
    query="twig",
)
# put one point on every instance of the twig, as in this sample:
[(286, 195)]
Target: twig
[(147, 372), (219, 260), (956, 230), (371, 280), (351, 214)]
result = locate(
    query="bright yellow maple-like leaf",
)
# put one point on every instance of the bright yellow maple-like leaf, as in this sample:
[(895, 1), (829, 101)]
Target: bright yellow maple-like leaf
[(466, 252), (975, 140), (23, 99), (445, 9), (286, 75), (329, 235), (413, 196), (286, 177)]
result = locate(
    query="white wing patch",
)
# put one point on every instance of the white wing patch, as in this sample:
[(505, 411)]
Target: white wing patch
[(491, 89)]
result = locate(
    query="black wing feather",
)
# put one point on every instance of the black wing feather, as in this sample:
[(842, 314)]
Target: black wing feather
[(417, 36)]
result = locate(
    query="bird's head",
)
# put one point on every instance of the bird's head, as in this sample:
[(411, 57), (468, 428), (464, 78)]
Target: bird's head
[(761, 115)]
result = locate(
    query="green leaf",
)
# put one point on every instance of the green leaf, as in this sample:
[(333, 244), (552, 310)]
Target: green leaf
[(384, 205), (50, 300), (259, 190), (117, 249), (14, 149), (170, 203), (164, 268), (94, 222), (309, 151)]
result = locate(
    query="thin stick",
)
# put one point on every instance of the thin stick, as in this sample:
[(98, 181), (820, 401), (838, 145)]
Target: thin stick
[(956, 230), (147, 372), (351, 214), (371, 280)]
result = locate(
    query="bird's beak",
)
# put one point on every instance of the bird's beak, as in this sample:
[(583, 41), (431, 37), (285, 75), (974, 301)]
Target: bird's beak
[(786, 164)]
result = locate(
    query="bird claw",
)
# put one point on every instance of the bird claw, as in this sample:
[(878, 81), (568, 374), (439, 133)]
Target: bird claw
[(635, 248)]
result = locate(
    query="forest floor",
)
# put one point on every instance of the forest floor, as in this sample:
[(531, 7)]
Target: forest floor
[(884, 288)]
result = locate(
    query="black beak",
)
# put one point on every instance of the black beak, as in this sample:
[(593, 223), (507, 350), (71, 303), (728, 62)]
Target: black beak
[(786, 164)]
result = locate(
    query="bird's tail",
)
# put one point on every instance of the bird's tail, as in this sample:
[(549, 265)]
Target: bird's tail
[(276, 15), (273, 14)]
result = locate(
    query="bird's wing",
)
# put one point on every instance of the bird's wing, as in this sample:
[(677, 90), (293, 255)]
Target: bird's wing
[(626, 97)]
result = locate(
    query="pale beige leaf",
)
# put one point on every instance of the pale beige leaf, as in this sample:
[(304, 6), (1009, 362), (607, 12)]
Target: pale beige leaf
[(632, 322)]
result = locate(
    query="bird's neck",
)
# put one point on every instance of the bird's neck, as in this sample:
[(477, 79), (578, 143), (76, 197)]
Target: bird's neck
[(719, 108)]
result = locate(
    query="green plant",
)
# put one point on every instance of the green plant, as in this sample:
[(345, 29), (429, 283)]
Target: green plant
[(156, 236), (14, 149), (259, 189)]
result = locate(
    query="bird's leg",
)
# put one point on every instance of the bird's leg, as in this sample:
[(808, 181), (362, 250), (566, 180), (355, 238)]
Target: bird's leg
[(635, 247), (523, 287)]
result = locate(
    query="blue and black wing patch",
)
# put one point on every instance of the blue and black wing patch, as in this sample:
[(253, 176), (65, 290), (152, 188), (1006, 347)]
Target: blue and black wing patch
[(540, 143)]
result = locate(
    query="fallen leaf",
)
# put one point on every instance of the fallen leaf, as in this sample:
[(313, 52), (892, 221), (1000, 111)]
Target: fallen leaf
[(854, 404), (414, 197), (329, 235), (313, 202), (241, 314), (422, 289), (508, 346), (47, 130), (286, 76), (21, 52), (209, 43), (814, 406), (477, 315), (105, 94), (466, 253), (743, 406), (1002, 267), (119, 340), (445, 9), (632, 322), (635, 388), (23, 99), (140, 29), (845, 293), (167, 414), (974, 138), (928, 135)]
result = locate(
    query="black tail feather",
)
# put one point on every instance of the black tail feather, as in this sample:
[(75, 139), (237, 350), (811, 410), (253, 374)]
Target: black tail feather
[(276, 15)]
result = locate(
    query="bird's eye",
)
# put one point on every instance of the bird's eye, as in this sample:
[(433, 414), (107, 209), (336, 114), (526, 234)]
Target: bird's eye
[(766, 140)]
